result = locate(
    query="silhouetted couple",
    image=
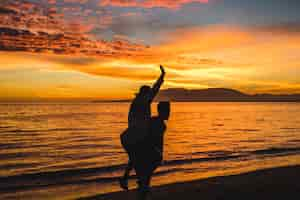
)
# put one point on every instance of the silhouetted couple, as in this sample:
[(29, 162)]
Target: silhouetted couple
[(143, 139)]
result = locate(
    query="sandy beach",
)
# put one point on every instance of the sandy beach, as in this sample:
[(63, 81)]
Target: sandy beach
[(276, 183)]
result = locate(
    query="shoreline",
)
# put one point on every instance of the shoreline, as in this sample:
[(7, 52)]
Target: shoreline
[(272, 183)]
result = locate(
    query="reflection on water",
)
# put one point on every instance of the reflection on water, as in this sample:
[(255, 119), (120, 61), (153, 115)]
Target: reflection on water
[(74, 150)]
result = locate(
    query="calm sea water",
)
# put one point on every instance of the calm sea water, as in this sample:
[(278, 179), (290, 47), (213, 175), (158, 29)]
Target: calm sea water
[(66, 151)]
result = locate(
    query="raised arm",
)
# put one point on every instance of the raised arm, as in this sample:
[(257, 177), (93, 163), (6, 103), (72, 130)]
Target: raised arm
[(156, 86)]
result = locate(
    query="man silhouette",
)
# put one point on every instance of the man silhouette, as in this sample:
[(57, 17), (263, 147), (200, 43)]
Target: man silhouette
[(139, 122), (150, 151)]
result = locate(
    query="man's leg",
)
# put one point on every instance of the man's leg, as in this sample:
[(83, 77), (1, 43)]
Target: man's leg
[(144, 177), (143, 187)]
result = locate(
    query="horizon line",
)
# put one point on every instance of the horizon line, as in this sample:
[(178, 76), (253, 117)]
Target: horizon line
[(96, 100)]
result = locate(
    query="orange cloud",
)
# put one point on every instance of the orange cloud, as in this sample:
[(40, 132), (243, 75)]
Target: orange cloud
[(207, 38)]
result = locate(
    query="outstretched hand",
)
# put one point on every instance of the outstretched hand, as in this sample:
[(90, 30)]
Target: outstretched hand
[(162, 69)]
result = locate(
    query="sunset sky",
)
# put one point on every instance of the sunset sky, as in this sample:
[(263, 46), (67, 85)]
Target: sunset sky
[(106, 49)]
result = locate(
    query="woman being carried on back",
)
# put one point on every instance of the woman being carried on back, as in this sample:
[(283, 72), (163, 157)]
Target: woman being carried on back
[(139, 118)]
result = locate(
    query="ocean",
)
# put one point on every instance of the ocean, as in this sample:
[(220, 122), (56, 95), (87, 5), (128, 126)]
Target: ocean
[(72, 150)]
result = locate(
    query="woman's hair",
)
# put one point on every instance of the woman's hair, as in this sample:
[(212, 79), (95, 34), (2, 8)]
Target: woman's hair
[(145, 89)]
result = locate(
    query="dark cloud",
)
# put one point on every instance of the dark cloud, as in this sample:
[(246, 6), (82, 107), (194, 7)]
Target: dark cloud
[(288, 27), (7, 11), (25, 40)]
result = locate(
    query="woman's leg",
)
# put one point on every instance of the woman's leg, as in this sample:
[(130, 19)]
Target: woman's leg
[(124, 180), (129, 167)]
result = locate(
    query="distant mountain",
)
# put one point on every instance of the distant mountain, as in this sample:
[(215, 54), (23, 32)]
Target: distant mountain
[(221, 95)]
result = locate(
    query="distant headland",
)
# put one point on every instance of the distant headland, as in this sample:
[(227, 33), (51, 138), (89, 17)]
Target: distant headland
[(214, 95), (221, 95)]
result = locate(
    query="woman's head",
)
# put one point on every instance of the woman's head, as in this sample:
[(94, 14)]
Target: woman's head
[(145, 91), (163, 109)]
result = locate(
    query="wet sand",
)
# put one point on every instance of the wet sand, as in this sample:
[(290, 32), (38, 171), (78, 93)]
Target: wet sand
[(268, 184)]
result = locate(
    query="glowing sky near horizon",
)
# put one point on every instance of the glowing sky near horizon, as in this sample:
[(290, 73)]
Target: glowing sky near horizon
[(106, 49)]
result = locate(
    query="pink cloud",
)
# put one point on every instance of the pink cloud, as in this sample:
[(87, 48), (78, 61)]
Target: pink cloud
[(52, 1), (170, 4), (76, 1)]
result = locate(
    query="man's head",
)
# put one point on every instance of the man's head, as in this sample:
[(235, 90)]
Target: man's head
[(163, 109)]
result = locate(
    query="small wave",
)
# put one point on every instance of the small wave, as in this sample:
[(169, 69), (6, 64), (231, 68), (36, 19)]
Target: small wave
[(15, 155), (246, 130), (218, 125), (15, 166), (84, 146), (66, 172), (219, 153), (215, 154), (46, 179), (85, 172), (230, 155), (5, 127), (46, 130), (206, 159), (294, 141), (10, 145), (253, 140), (48, 116), (19, 131), (274, 150), (13, 184), (24, 145), (289, 128), (101, 174)]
